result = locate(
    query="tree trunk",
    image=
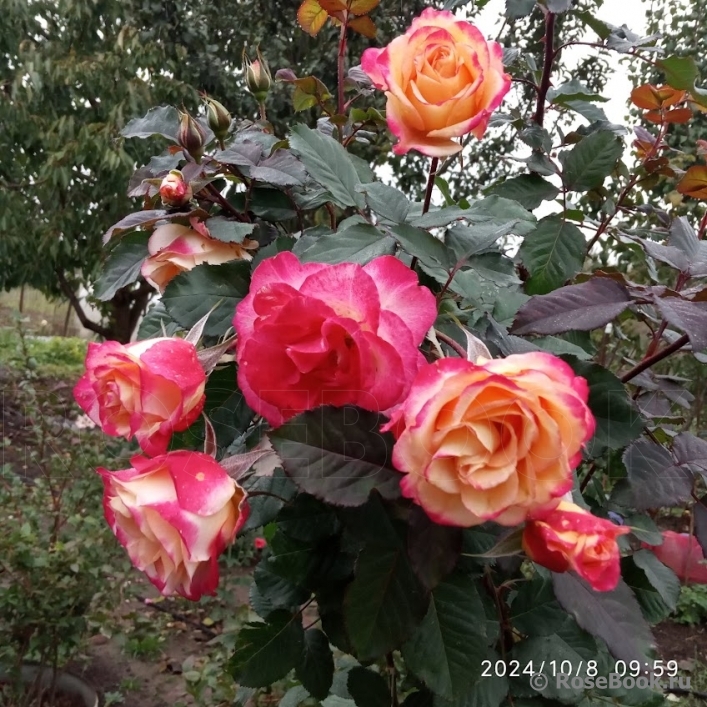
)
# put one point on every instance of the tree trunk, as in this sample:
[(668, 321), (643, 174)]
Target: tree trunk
[(127, 307)]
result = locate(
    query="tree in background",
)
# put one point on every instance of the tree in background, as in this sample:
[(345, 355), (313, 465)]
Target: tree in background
[(74, 73)]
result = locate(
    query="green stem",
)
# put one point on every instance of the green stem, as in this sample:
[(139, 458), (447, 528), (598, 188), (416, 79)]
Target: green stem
[(428, 195)]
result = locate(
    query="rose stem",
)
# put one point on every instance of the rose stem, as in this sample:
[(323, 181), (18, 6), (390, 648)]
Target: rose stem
[(658, 356), (340, 65), (547, 67), (428, 195)]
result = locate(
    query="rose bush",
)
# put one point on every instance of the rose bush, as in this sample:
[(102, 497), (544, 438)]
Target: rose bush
[(442, 79), (147, 390), (568, 537), (496, 440), (175, 514), (313, 334), (416, 388)]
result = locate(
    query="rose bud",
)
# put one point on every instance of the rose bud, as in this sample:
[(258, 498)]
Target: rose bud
[(175, 514), (147, 390), (191, 136), (174, 190), (494, 440), (570, 538), (257, 76), (219, 118), (260, 543)]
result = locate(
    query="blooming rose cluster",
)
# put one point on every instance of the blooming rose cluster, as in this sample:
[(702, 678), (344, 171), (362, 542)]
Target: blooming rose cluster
[(176, 512), (488, 440)]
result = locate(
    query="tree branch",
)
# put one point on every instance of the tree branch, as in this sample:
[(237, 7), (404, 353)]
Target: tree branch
[(86, 323)]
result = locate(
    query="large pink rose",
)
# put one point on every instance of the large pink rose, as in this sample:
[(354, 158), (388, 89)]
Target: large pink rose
[(570, 538), (313, 334), (442, 79), (175, 514), (146, 390), (175, 249), (495, 440)]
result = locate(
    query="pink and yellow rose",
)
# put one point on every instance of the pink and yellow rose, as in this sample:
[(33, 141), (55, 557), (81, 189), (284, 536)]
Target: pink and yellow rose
[(570, 538), (175, 514), (174, 190), (443, 80), (493, 440), (147, 390), (311, 334), (175, 248)]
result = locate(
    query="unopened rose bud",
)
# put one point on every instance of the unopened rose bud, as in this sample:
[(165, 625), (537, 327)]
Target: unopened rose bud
[(174, 190), (219, 118), (191, 136), (257, 76)]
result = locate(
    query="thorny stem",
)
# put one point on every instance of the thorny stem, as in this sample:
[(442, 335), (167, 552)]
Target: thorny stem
[(263, 113), (655, 358), (547, 67), (340, 65), (223, 202), (428, 196), (451, 343)]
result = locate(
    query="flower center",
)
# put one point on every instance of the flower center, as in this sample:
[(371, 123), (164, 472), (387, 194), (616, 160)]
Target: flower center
[(444, 61)]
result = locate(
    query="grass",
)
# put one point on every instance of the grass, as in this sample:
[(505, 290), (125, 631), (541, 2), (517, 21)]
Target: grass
[(53, 357)]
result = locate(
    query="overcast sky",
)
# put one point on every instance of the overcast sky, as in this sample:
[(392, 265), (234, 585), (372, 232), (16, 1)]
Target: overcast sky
[(617, 12)]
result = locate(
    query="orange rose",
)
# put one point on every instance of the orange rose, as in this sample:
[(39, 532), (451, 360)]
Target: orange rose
[(570, 538), (443, 80), (175, 248), (495, 440)]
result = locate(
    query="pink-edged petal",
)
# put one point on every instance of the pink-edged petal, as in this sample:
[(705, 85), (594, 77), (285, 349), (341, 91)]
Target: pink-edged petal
[(400, 292)]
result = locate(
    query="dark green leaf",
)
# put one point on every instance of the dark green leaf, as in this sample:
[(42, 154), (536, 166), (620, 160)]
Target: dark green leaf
[(384, 603), (156, 323), (422, 244), (281, 169), (315, 669), (573, 90), (680, 71), (270, 592), (519, 8), (367, 688), (123, 265), (265, 652), (338, 455), (582, 307), (162, 121), (653, 607), (618, 420), (433, 549), (385, 201), (691, 451), (552, 253), (328, 164), (654, 478), (359, 243), (446, 650), (612, 616), (276, 490), (140, 219), (535, 611), (306, 518), (193, 294), (662, 578), (590, 161), (530, 190), (229, 231)]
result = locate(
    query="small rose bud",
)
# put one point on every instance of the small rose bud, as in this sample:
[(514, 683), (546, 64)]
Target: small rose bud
[(191, 136), (219, 118), (257, 75), (260, 543), (174, 190)]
